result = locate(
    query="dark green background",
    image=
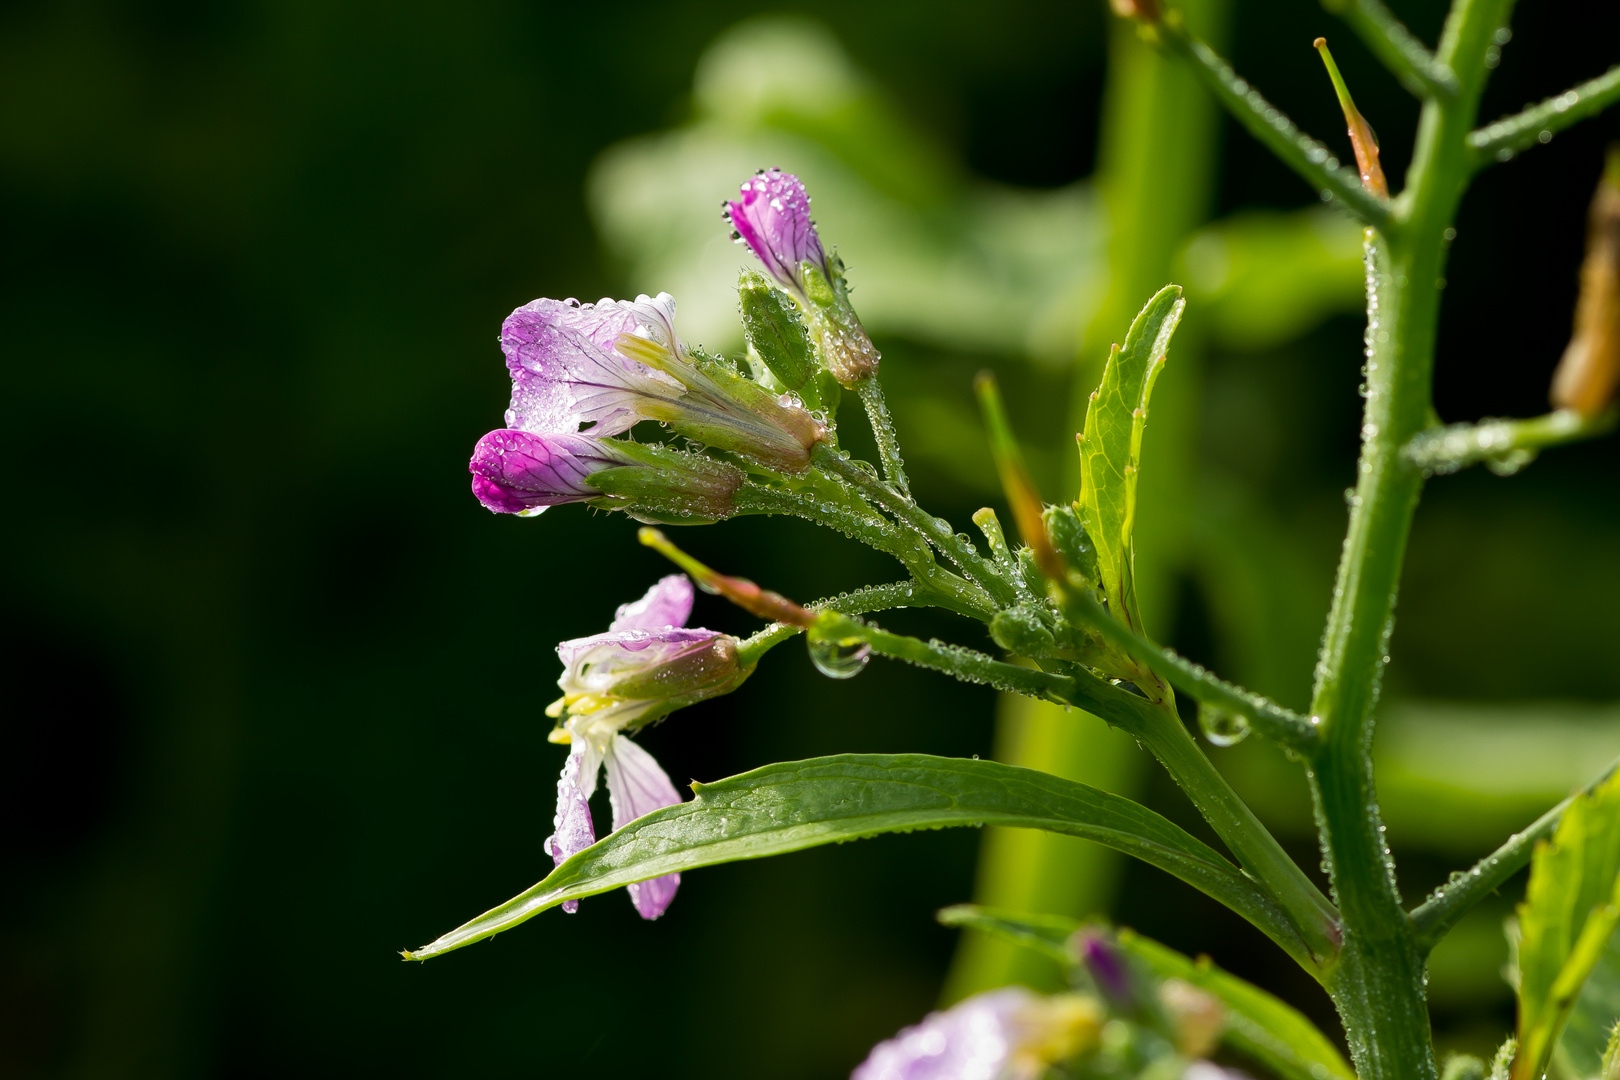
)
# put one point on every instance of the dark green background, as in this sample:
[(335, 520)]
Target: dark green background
[(273, 680)]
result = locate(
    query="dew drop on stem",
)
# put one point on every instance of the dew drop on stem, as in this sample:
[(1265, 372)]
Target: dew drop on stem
[(835, 657), (1222, 727)]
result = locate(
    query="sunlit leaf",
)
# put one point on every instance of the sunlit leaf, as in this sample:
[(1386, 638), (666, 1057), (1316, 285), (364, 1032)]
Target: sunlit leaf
[(795, 805), (1257, 1024), (1111, 445), (1569, 914), (1591, 1026)]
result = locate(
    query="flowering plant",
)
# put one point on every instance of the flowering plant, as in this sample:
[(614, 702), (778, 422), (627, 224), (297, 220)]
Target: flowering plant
[(761, 436)]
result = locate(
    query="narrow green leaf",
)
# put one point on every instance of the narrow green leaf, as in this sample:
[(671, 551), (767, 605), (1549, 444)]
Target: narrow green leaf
[(1257, 1024), (1045, 934), (1570, 910), (794, 805), (1111, 445)]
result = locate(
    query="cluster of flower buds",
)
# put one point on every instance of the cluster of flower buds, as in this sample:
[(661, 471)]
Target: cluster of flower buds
[(1122, 1023), (771, 214), (648, 664), (582, 373)]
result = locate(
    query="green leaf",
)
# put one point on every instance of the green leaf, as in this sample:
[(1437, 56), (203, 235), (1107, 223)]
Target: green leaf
[(1571, 907), (790, 806), (1111, 446), (1045, 934), (1591, 1028), (1257, 1024)]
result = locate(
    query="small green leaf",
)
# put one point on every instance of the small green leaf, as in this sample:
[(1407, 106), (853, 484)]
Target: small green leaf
[(1571, 907), (1591, 1028), (790, 806), (1111, 446), (1257, 1024)]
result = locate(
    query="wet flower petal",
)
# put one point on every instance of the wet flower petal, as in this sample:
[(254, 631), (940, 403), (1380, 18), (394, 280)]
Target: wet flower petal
[(772, 216), (573, 831), (972, 1040), (668, 603), (637, 786)]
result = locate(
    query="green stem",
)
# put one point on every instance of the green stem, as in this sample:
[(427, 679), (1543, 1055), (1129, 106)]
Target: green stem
[(1504, 445), (857, 602), (1501, 139), (1435, 917), (888, 442), (1307, 157), (1282, 726), (952, 591), (936, 531), (1379, 985), (1396, 46), (1257, 851)]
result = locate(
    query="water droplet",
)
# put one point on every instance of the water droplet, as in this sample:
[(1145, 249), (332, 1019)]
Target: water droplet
[(837, 658), (1222, 727)]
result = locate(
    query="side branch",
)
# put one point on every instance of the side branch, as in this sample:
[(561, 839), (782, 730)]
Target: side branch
[(1504, 445), (1435, 917), (1504, 138), (1307, 157), (857, 602), (1401, 52)]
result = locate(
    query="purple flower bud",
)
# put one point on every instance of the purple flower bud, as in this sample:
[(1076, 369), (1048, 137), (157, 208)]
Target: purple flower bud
[(516, 472), (772, 216), (645, 665), (1006, 1034), (1107, 966)]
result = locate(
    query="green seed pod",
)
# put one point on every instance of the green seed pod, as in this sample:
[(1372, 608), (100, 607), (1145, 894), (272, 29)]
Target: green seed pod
[(1020, 630), (777, 336), (1069, 537)]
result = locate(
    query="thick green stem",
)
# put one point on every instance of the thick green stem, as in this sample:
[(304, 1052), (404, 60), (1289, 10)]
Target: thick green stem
[(1378, 986)]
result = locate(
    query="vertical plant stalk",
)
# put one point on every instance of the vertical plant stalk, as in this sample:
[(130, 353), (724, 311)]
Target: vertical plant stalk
[(1378, 987), (1155, 168)]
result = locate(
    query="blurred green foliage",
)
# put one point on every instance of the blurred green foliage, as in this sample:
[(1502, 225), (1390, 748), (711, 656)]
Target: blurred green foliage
[(266, 660)]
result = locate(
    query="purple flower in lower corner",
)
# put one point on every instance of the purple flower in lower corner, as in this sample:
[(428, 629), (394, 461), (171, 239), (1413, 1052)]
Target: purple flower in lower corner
[(772, 216), (647, 664), (1006, 1034)]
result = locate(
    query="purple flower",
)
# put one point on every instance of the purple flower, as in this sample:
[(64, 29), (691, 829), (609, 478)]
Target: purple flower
[(610, 364), (772, 216), (647, 664), (1006, 1034), (519, 472)]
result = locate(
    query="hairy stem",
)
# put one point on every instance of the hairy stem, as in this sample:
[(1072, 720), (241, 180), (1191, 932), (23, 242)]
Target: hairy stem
[(1379, 987), (1504, 445), (1435, 917), (1396, 46), (1501, 139), (888, 442), (857, 602)]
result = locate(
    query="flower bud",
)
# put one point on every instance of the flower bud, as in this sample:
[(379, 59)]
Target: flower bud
[(1590, 369), (1196, 1018), (777, 336), (520, 472)]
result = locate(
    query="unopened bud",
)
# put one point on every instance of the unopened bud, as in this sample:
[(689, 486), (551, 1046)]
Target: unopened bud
[(1590, 369), (1195, 1017), (1142, 10), (776, 334), (1362, 139)]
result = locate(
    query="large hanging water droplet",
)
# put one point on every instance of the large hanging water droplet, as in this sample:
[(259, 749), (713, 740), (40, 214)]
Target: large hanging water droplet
[(1222, 726), (837, 657)]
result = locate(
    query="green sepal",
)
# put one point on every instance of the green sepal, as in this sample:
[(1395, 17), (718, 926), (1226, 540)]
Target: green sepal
[(1111, 447), (1021, 631), (1068, 535), (668, 486), (776, 334)]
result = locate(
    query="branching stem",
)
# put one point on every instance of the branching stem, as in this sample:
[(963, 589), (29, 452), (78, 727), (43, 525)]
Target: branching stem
[(1501, 139), (1504, 445), (1396, 46)]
